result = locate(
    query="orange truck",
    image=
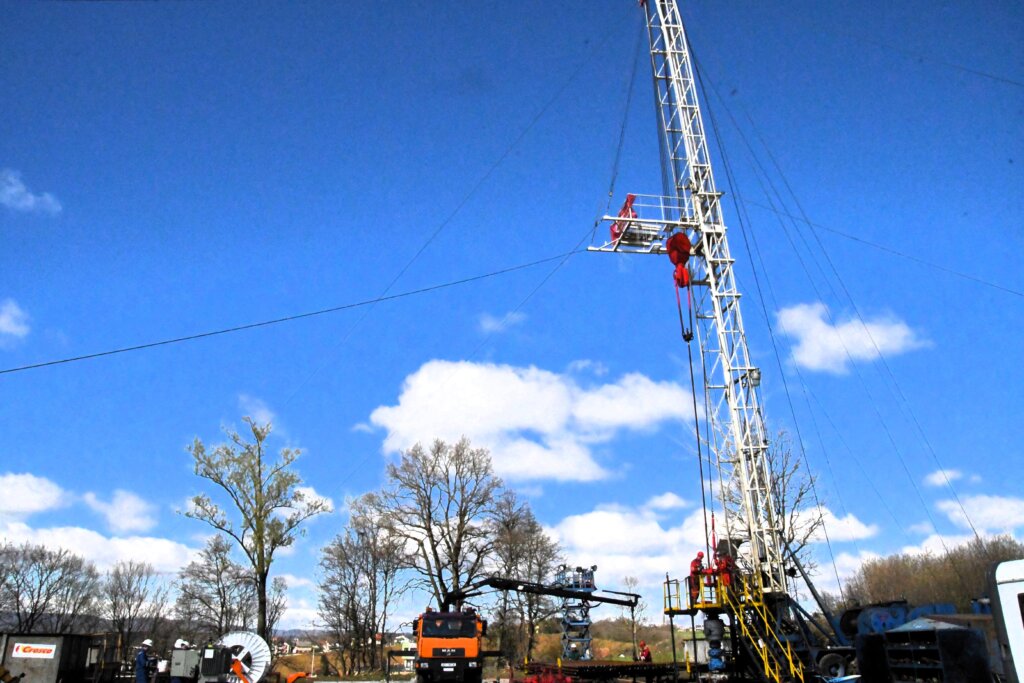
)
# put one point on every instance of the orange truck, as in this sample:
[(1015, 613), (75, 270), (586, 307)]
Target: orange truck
[(449, 642), (449, 646)]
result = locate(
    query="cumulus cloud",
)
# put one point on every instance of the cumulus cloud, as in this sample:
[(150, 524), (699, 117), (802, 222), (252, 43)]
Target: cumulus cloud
[(299, 613), (34, 494), (626, 541), (125, 512), (17, 197), (294, 581), (491, 324), (989, 513), (537, 424), (164, 554), (940, 477), (827, 347), (846, 528), (666, 501), (310, 494), (846, 565), (660, 535), (937, 544), (923, 528), (13, 321), (643, 542)]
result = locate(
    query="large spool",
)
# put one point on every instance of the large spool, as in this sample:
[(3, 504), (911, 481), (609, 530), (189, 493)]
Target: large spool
[(252, 654)]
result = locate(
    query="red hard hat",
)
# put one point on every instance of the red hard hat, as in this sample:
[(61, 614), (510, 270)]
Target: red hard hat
[(700, 553)]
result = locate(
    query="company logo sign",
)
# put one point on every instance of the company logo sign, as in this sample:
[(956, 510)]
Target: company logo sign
[(34, 650)]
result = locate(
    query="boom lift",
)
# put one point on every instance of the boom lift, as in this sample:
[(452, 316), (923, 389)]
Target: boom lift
[(449, 642)]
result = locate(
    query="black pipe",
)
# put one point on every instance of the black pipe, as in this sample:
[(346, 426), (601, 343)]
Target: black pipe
[(675, 662)]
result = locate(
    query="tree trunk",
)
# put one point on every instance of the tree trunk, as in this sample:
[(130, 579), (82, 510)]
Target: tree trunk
[(261, 598)]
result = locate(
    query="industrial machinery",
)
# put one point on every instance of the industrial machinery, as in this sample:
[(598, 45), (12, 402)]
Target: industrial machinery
[(576, 621), (46, 658), (449, 642), (770, 637), (237, 657)]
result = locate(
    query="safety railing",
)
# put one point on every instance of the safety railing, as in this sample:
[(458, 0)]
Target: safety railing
[(777, 658)]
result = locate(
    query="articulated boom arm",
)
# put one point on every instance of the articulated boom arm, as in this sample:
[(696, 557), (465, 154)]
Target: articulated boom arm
[(504, 584), (693, 206)]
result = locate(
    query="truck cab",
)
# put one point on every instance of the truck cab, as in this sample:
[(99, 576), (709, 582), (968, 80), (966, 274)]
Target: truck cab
[(449, 646)]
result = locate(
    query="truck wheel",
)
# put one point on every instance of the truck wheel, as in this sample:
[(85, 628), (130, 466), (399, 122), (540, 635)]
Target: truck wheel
[(832, 665)]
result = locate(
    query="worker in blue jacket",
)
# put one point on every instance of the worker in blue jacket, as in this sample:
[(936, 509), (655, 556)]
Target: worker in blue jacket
[(142, 662)]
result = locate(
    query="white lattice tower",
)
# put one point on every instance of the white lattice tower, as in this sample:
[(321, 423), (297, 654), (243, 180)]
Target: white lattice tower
[(739, 439)]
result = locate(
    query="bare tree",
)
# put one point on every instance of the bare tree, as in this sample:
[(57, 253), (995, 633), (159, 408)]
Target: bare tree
[(360, 580), (442, 502), (956, 575), (793, 493), (46, 590), (635, 614), (133, 600), (522, 550), (216, 592), (277, 603), (340, 597), (266, 496)]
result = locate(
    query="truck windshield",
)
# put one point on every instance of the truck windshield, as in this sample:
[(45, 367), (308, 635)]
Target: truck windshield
[(449, 628)]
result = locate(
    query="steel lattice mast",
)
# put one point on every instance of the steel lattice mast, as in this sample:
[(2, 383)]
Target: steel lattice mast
[(692, 206)]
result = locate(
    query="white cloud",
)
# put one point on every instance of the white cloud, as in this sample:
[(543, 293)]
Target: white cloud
[(310, 494), (537, 424), (33, 494), (923, 528), (989, 513), (164, 554), (15, 195), (256, 408), (294, 581), (624, 541), (937, 544), (491, 324), (826, 347), (597, 368), (125, 512), (300, 613), (13, 320), (846, 565), (666, 501), (847, 528), (939, 477)]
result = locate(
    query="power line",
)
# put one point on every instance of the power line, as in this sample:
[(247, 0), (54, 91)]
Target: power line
[(328, 357), (291, 318), (935, 60), (890, 250)]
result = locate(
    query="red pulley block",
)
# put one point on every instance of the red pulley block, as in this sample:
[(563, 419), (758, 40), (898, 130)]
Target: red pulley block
[(678, 247)]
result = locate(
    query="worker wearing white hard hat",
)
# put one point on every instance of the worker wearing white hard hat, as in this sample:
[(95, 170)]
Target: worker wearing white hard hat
[(142, 661)]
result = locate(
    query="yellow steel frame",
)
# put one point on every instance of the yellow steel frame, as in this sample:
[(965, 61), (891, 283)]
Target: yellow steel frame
[(773, 666)]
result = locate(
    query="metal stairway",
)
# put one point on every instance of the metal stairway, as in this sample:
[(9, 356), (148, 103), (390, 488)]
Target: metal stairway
[(771, 657)]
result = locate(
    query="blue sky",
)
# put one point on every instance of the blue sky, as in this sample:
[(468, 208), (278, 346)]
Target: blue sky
[(172, 168)]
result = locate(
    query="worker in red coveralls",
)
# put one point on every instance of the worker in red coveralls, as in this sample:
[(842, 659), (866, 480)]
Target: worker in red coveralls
[(723, 566), (696, 569), (645, 653)]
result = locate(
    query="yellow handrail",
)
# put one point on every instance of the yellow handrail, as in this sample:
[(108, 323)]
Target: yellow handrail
[(771, 664)]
